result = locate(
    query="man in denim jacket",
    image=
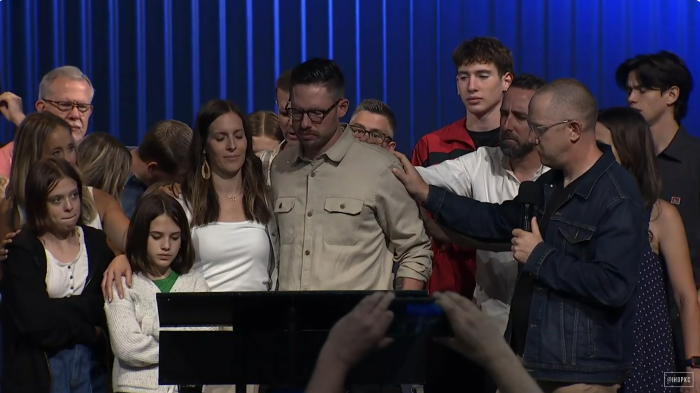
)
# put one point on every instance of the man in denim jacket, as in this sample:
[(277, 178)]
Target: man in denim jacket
[(572, 314)]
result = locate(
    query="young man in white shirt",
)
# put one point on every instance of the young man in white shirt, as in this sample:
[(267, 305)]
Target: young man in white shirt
[(494, 174)]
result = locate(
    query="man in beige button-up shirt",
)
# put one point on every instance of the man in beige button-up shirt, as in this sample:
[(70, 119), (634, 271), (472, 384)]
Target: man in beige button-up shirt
[(343, 216)]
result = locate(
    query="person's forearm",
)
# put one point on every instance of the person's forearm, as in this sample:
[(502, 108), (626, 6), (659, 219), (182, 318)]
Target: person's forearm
[(408, 284), (468, 242), (328, 376), (435, 231), (485, 221), (690, 321), (508, 372)]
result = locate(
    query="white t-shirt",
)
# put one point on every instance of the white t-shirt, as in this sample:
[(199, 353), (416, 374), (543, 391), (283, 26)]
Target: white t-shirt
[(232, 256), (67, 279)]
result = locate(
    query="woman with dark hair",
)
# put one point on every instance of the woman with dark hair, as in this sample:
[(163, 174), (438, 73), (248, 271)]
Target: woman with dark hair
[(52, 304), (225, 196), (159, 249), (668, 259), (226, 200)]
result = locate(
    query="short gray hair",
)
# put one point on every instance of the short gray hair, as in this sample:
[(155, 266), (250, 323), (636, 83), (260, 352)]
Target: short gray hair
[(68, 72), (378, 108)]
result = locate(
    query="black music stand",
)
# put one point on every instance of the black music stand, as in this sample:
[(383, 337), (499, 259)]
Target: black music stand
[(276, 339)]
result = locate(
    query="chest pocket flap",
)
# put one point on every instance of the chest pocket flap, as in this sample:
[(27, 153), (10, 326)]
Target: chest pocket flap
[(574, 234), (341, 224), (343, 205), (284, 204)]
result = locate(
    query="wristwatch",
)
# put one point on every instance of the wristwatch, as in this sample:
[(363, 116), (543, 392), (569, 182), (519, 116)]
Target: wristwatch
[(693, 362)]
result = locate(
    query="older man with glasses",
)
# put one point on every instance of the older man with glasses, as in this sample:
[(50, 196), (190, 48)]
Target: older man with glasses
[(65, 92)]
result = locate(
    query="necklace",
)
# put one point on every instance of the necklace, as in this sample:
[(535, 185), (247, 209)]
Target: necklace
[(233, 198)]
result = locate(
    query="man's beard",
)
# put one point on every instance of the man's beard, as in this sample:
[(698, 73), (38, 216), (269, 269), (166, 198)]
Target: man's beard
[(514, 149)]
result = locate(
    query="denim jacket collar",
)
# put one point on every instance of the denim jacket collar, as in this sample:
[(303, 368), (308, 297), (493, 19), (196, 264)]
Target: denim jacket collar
[(585, 183)]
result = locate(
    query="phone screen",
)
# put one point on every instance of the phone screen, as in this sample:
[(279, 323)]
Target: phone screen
[(418, 317)]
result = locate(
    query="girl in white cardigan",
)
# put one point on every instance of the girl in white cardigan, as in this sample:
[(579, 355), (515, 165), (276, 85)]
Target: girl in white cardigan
[(160, 252)]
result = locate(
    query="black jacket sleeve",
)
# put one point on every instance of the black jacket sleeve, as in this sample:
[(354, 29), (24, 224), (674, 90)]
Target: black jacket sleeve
[(35, 315)]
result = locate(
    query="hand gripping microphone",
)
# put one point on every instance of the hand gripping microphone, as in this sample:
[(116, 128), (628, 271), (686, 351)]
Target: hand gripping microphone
[(530, 194)]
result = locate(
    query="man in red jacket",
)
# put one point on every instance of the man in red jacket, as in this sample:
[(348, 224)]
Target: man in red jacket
[(484, 72)]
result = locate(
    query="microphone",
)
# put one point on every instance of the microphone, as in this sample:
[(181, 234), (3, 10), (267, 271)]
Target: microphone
[(530, 194)]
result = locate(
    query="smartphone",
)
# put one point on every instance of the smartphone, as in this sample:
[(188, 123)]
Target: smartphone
[(418, 317)]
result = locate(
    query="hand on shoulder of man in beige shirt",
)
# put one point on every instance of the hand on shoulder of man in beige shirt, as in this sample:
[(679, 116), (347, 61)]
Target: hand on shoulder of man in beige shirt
[(344, 218)]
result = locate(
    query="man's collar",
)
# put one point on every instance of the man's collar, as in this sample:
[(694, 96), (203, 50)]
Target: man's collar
[(505, 163), (677, 148), (586, 182), (335, 153)]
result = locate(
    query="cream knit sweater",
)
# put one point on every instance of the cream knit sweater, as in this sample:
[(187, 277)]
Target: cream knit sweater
[(134, 332)]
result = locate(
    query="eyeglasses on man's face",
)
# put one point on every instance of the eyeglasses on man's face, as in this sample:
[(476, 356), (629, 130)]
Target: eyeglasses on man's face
[(315, 115), (538, 130), (373, 136), (67, 106)]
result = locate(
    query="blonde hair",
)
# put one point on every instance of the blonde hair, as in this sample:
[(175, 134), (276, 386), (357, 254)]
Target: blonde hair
[(29, 142), (105, 163), (265, 123)]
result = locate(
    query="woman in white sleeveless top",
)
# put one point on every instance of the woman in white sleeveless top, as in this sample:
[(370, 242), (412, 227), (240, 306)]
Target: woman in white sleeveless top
[(226, 199), (225, 196), (43, 135)]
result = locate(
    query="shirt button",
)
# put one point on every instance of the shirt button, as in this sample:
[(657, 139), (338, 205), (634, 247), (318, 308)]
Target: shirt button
[(68, 267), (307, 252), (313, 174), (311, 213), (71, 288), (342, 206), (71, 277), (280, 206)]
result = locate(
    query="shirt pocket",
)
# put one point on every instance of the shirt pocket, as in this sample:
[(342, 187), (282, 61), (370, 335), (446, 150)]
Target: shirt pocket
[(576, 240), (285, 220), (342, 221)]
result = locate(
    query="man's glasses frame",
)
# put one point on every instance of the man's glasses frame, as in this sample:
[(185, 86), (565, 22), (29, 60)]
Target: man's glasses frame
[(375, 137), (315, 115), (539, 130), (67, 106)]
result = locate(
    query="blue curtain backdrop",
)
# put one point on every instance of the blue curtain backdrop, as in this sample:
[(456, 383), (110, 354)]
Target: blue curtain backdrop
[(156, 59)]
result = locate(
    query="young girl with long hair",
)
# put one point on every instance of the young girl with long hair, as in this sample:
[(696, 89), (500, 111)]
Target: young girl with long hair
[(160, 252)]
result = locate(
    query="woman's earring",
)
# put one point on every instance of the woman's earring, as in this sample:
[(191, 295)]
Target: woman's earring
[(206, 171)]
